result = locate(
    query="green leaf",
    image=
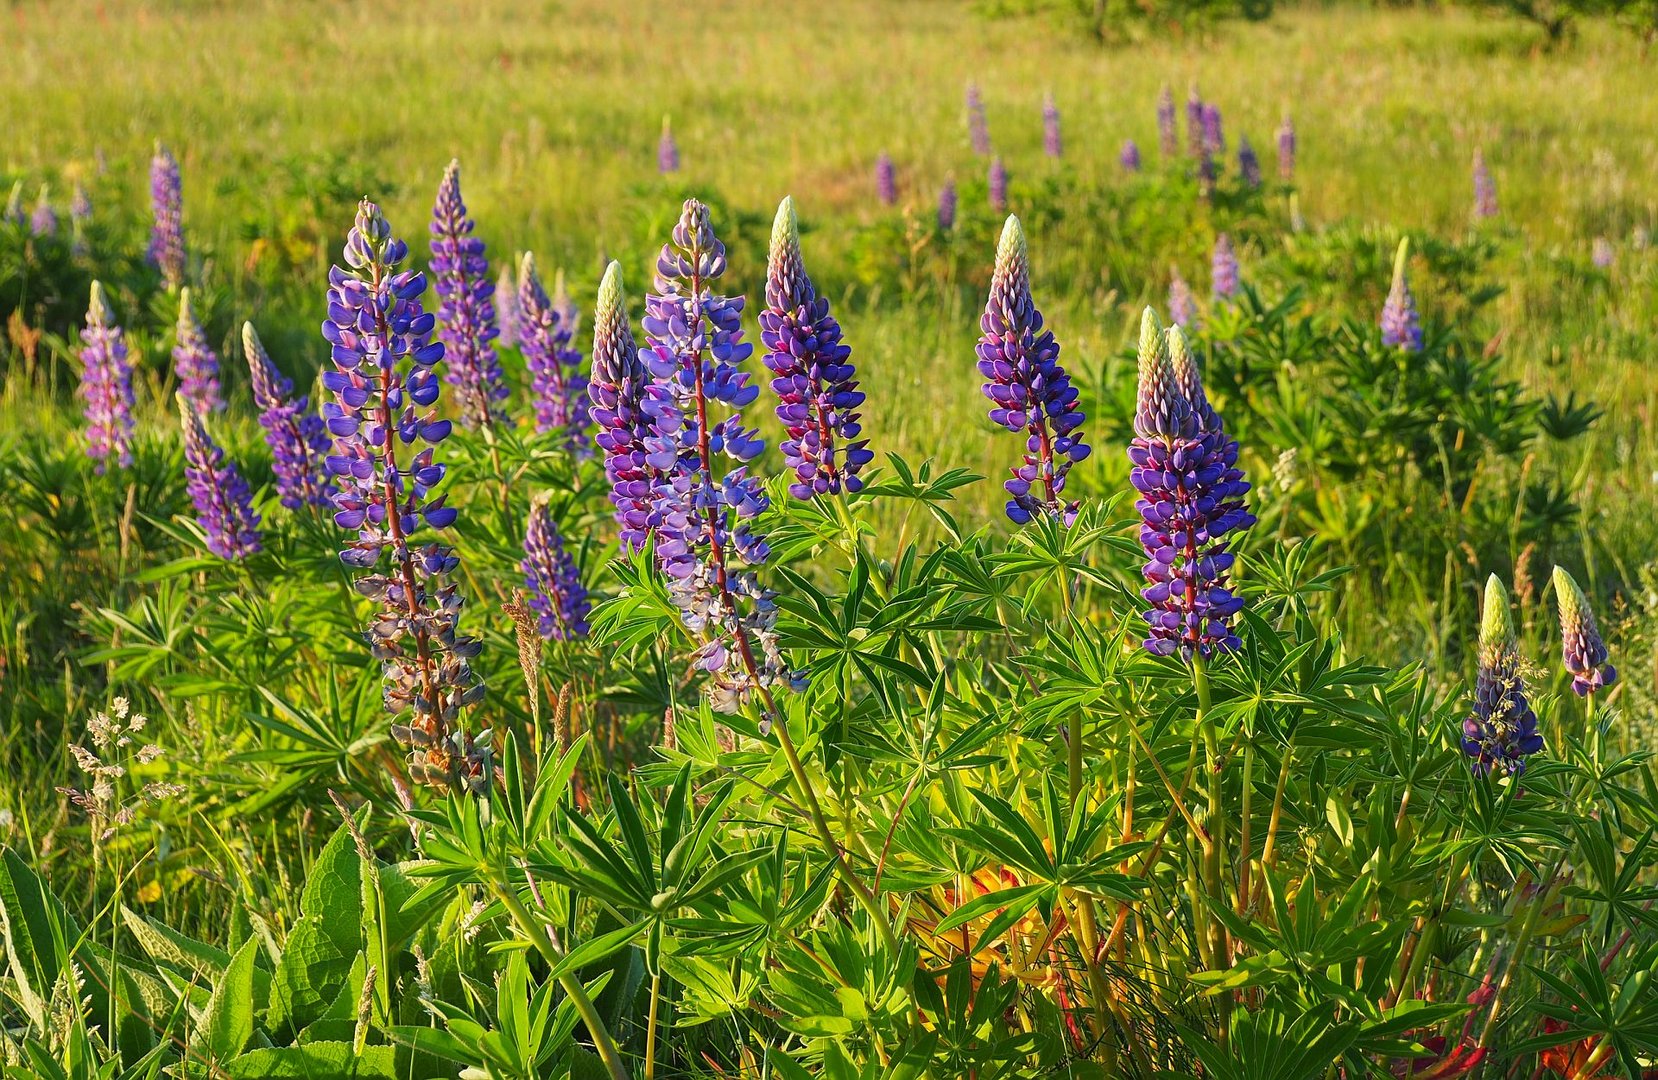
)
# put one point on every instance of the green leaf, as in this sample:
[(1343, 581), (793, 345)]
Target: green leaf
[(229, 1019), (315, 1061)]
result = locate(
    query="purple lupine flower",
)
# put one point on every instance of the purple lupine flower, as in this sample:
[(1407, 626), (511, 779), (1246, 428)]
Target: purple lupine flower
[(1206, 172), (556, 383), (166, 252), (1485, 188), (667, 150), (694, 345), (1168, 139), (815, 382), (886, 180), (1051, 144), (998, 185), (44, 220), (1249, 166), (386, 393), (1501, 731), (506, 308), (106, 385), (1224, 269), (1286, 150), (1581, 647), (1600, 253), (194, 360), (636, 421), (1401, 325), (1185, 468), (460, 276), (1182, 307), (1214, 139), (224, 505), (556, 593), (978, 128), (1129, 156), (947, 205), (1194, 123), (296, 435), (1028, 388)]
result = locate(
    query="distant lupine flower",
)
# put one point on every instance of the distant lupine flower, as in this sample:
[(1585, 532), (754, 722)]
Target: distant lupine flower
[(947, 206), (1401, 325), (815, 382), (1182, 308), (667, 150), (1224, 267), (1485, 188), (13, 213), (1501, 731), (224, 505), (1194, 123), (998, 185), (1129, 156), (460, 276), (886, 180), (978, 128), (1029, 390), (167, 202), (194, 360), (1286, 150), (556, 593), (386, 392), (1249, 166), (298, 440), (80, 216), (106, 385), (557, 386), (1206, 172), (1214, 139), (1601, 254), (1168, 138), (1185, 468), (506, 308), (1581, 647), (694, 345), (1051, 143), (636, 422), (44, 220)]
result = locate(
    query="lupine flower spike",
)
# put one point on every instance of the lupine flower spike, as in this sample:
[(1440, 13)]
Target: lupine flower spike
[(1194, 123), (694, 345), (1168, 138), (386, 393), (1224, 269), (167, 204), (194, 360), (947, 206), (556, 593), (224, 505), (1249, 166), (998, 185), (1501, 731), (1581, 647), (815, 382), (1286, 150), (298, 440), (1182, 308), (506, 308), (886, 180), (1051, 143), (1214, 138), (1485, 188), (1191, 497), (557, 386), (978, 128), (1129, 156), (44, 220), (1401, 325), (106, 385), (460, 275), (1029, 390), (667, 150)]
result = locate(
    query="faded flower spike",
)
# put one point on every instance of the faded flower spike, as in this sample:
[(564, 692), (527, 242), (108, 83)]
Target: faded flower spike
[(1129, 156), (297, 438), (460, 275), (1185, 468), (815, 381), (194, 360), (1029, 390), (224, 505), (1168, 138), (1224, 269), (1182, 308), (1286, 150), (1581, 647), (667, 150), (998, 185), (947, 206), (1401, 325), (1051, 144), (1501, 731), (886, 180), (106, 385), (1485, 188), (978, 129), (556, 593), (557, 386), (166, 251)]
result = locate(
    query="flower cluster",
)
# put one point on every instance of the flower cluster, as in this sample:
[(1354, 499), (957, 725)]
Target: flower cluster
[(1168, 138), (166, 251), (978, 128), (194, 361), (106, 385), (1401, 325), (1249, 166), (224, 505), (556, 593), (1214, 139), (1051, 144), (1224, 269), (886, 180), (1485, 188), (460, 273), (1185, 468), (816, 385), (44, 220), (545, 331), (108, 761), (667, 150), (1501, 731), (1581, 647), (296, 435), (947, 206), (1286, 150), (1195, 142), (1028, 388), (1129, 156), (998, 185), (386, 391)]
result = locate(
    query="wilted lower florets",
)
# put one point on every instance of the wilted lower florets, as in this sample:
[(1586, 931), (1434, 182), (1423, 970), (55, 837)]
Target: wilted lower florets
[(224, 505), (106, 385), (1501, 731), (557, 386), (296, 435), (194, 360), (1581, 647), (556, 593), (166, 252), (460, 275)]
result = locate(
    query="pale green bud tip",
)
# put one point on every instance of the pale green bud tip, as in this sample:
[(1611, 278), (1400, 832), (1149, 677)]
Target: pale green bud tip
[(186, 413), (1179, 353), (186, 311), (785, 228), (526, 267), (1573, 604), (1496, 630), (1151, 336), (99, 307), (610, 288), (1012, 245), (1400, 259), (250, 339)]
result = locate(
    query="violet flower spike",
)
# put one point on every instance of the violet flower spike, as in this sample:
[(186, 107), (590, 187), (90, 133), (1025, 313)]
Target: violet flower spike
[(1195, 142), (1168, 138), (1582, 650), (552, 579), (557, 386), (1401, 325), (1485, 188), (1029, 390), (296, 436), (1286, 150), (506, 308), (1501, 730), (1051, 143), (1224, 269), (998, 185), (194, 361), (166, 251), (1214, 139), (815, 382), (224, 505), (106, 385), (1129, 156), (947, 199), (886, 180), (386, 392), (978, 128), (1249, 166), (667, 150), (460, 276), (44, 220)]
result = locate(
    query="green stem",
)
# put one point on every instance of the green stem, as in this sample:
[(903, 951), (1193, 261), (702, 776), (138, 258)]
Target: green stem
[(650, 1026), (1215, 836)]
